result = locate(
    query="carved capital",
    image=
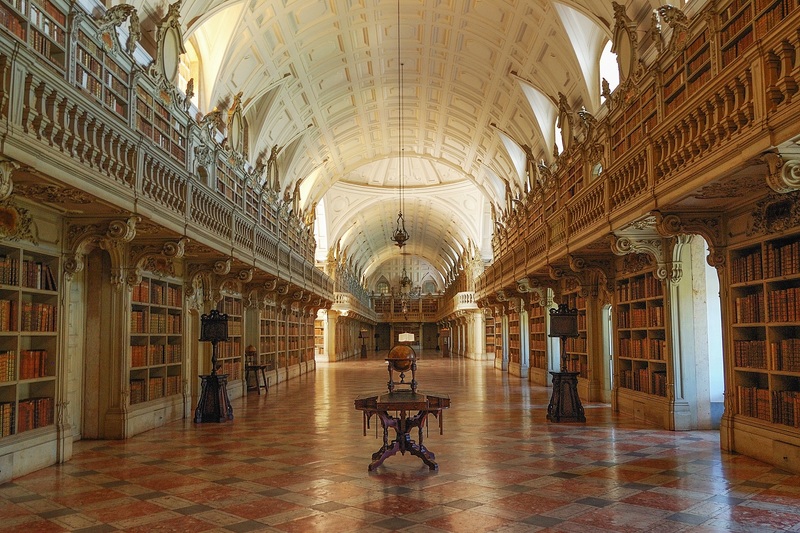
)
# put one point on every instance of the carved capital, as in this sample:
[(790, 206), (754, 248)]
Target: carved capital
[(652, 246), (708, 225)]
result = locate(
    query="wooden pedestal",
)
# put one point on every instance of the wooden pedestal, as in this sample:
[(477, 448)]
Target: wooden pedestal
[(565, 405), (214, 404)]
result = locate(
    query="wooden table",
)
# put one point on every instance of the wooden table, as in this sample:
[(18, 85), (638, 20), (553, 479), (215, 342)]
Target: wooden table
[(402, 404)]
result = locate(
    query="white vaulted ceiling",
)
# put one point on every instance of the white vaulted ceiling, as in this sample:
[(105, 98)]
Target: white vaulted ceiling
[(323, 76)]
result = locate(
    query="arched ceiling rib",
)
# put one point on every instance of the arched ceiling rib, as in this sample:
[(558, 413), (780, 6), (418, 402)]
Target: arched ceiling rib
[(335, 65)]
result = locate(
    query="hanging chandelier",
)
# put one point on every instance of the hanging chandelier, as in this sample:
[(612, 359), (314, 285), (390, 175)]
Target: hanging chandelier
[(400, 235)]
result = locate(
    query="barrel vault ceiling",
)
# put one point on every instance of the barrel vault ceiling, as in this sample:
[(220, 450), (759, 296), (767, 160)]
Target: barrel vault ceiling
[(321, 80)]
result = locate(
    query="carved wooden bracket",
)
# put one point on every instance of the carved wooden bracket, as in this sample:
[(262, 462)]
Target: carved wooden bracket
[(783, 175), (709, 225)]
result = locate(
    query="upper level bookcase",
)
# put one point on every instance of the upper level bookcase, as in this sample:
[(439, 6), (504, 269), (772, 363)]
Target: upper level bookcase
[(687, 72), (231, 352), (765, 315), (642, 347), (743, 22), (40, 23), (156, 339), (28, 339), (97, 73)]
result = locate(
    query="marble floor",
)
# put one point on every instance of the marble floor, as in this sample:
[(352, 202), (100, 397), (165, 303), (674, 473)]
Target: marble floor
[(295, 460)]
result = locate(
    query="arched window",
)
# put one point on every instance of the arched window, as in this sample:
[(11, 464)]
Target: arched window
[(428, 287), (189, 68), (609, 70), (383, 287)]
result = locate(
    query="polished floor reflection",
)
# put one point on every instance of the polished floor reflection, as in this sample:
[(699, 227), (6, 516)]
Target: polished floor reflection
[(295, 460)]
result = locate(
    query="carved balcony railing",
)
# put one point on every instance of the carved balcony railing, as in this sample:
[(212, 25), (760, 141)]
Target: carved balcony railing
[(692, 111), (95, 117)]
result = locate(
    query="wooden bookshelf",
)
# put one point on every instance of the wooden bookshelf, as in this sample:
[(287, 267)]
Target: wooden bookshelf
[(156, 340), (641, 345), (765, 316), (489, 332), (155, 121), (687, 71), (97, 73), (267, 338), (28, 339), (538, 337), (231, 353), (514, 348), (577, 348), (319, 337), (294, 338)]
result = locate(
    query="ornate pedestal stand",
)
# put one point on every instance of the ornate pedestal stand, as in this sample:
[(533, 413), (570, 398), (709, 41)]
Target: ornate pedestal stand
[(565, 404), (214, 404)]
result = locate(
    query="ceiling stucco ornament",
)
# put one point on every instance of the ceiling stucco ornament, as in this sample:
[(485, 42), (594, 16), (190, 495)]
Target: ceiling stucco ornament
[(54, 194), (775, 213)]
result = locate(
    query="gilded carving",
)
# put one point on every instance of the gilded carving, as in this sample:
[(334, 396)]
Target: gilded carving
[(679, 22), (7, 167), (53, 194), (16, 223), (775, 213), (113, 18)]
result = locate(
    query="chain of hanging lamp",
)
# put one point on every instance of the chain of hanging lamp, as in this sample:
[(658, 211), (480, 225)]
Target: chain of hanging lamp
[(400, 235)]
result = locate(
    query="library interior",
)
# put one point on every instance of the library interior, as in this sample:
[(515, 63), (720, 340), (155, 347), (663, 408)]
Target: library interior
[(220, 219)]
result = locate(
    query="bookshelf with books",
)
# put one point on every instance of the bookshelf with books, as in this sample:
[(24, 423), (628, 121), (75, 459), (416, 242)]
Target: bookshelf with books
[(28, 339), (489, 329), (101, 76), (765, 332), (319, 337), (40, 23), (687, 71), (577, 351), (156, 340), (231, 352), (538, 344), (267, 339), (294, 340), (515, 366), (641, 341)]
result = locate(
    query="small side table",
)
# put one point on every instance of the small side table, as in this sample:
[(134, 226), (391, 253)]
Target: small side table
[(256, 370)]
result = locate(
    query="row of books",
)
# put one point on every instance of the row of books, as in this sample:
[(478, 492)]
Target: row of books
[(750, 354), (782, 260), (653, 349), (737, 49), (6, 419), (34, 413), (769, 19), (142, 321), (786, 408), (650, 317), (32, 364), (577, 344), (153, 388), (233, 369), (736, 25), (747, 268), (754, 402), (155, 354), (8, 315), (785, 355), (230, 306), (574, 364), (749, 309), (155, 293), (8, 366), (784, 305), (644, 380), (232, 348), (37, 316), (639, 288)]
